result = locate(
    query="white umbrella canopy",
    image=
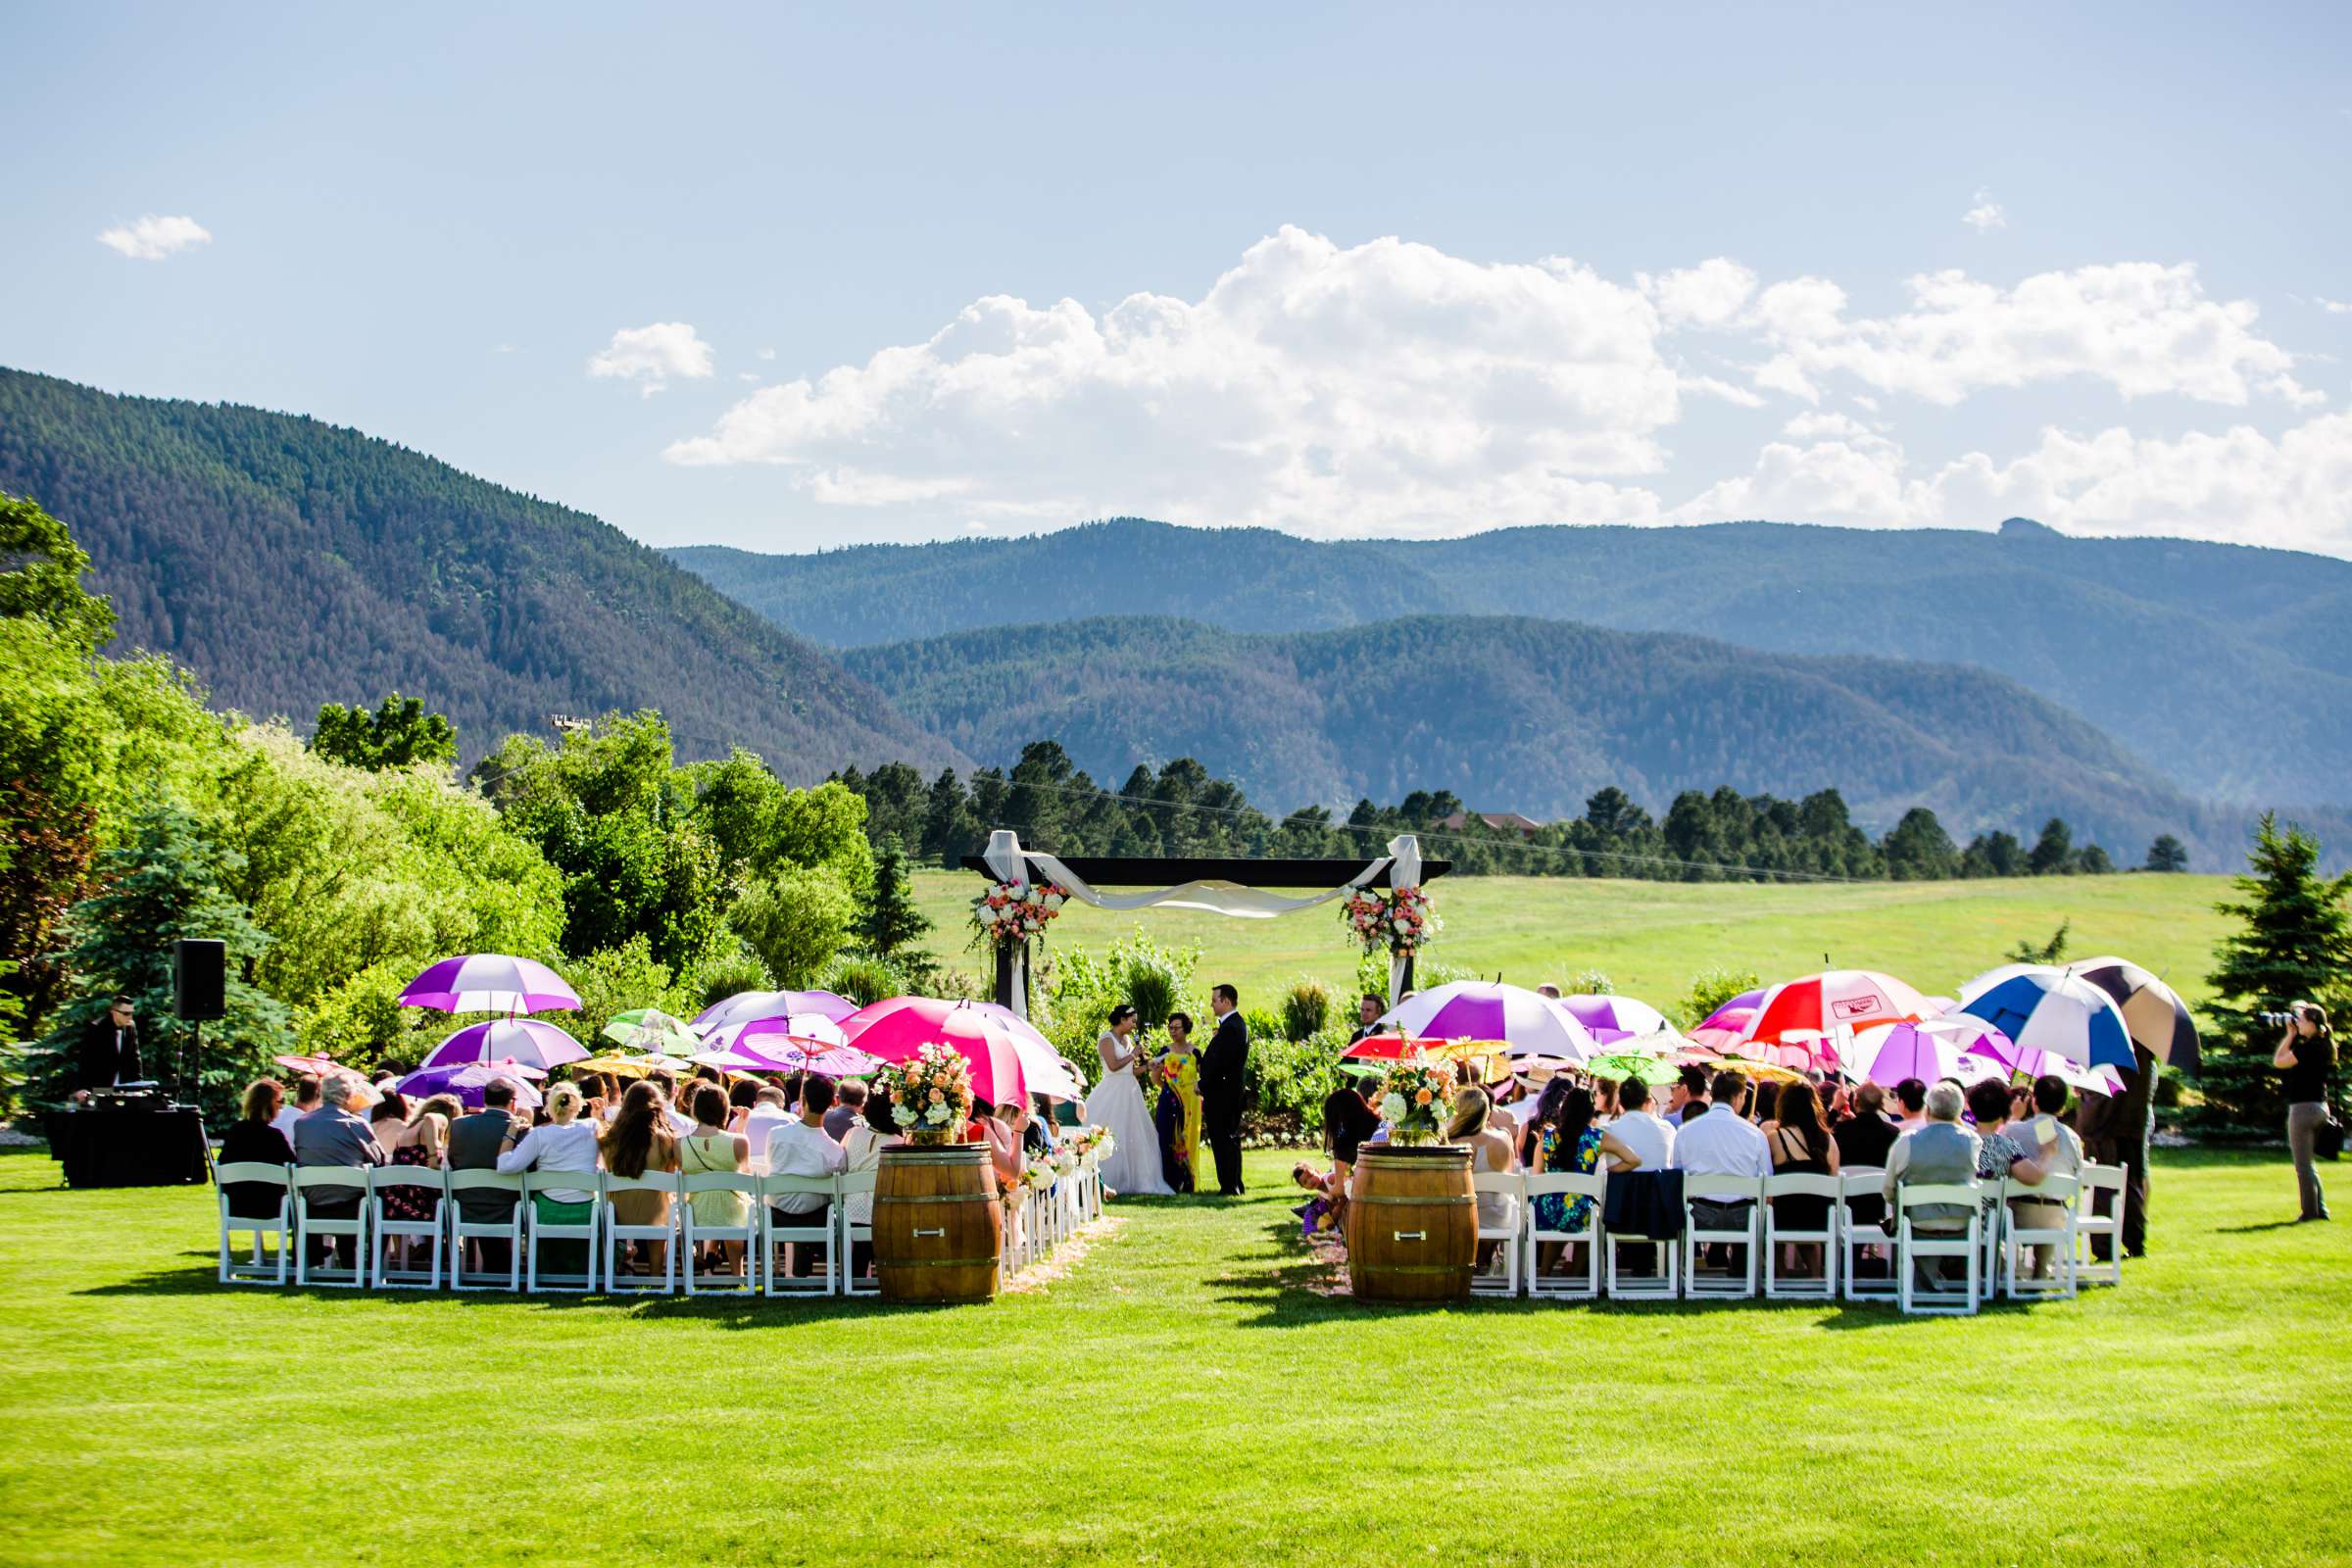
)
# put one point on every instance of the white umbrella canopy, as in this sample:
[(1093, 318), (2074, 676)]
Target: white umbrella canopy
[(2040, 1007)]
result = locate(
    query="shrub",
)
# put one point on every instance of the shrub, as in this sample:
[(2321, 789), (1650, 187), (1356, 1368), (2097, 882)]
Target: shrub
[(1284, 1084), (865, 981), (722, 973), (1711, 988), (1305, 1008), (1154, 982), (1593, 983)]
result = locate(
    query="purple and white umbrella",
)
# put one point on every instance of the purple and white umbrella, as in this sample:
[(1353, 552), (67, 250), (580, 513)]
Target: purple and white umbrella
[(490, 982), (468, 1082), (2033, 1062), (1747, 1001), (776, 1055), (1610, 1019), (525, 1040), (1532, 1025), (745, 1005), (1967, 1050), (804, 1028)]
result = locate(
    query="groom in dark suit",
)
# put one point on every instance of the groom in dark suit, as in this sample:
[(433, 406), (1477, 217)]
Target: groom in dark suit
[(1221, 1067)]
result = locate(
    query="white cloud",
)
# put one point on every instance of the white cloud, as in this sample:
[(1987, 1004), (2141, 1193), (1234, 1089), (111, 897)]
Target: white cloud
[(2142, 327), (1987, 216), (1710, 294), (2335, 306), (1383, 388), (746, 376), (152, 238), (650, 354)]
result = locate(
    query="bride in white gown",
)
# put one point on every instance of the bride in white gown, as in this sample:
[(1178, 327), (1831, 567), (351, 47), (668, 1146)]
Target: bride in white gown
[(1118, 1103)]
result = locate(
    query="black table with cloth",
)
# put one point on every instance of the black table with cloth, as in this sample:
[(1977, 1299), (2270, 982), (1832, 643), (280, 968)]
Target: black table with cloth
[(163, 1148)]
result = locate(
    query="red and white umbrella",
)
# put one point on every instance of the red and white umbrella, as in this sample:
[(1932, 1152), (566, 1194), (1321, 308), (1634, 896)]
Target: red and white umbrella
[(1821, 1013)]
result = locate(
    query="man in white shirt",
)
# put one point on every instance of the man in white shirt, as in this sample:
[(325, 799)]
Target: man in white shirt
[(306, 1101), (1721, 1143), (1650, 1136), (799, 1147), (767, 1114)]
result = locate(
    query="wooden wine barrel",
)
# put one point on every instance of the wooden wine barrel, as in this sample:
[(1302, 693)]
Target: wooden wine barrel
[(937, 1224), (1412, 1225)]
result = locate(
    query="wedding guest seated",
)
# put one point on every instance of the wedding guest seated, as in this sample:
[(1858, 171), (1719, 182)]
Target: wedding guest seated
[(561, 1143), (1349, 1121), (1491, 1152), (1864, 1140), (1939, 1152), (1998, 1152), (306, 1101), (860, 1151), (1604, 1100), (1721, 1143), (769, 1111), (1911, 1095), (1763, 1101), (1649, 1136), (709, 1148), (388, 1119), (637, 1145), (419, 1143), (474, 1142), (254, 1139), (1568, 1139), (2057, 1149), (336, 1134), (1688, 1101), (742, 1095), (848, 1109), (1800, 1145), (799, 1147), (1037, 1137), (1321, 1214)]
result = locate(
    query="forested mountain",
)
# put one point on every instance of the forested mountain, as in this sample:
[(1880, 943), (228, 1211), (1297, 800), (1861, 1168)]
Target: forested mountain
[(2227, 668), (1520, 713), (291, 563)]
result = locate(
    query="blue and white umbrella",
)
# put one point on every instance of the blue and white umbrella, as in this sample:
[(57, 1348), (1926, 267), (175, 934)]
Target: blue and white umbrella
[(2055, 1010)]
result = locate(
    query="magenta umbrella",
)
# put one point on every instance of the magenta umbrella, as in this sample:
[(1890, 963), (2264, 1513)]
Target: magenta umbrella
[(1041, 1064), (745, 1005), (1748, 1000), (490, 982), (468, 1082), (523, 1040), (896, 1028)]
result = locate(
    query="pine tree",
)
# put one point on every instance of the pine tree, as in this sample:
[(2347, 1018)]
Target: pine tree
[(2296, 945), (2054, 852), (892, 920), (2166, 854), (166, 882)]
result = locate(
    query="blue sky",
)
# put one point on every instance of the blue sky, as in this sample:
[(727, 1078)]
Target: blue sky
[(1333, 269)]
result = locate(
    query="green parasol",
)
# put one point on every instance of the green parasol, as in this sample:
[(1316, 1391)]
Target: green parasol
[(649, 1029)]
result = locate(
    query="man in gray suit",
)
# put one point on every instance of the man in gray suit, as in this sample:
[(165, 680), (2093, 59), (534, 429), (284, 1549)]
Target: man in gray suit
[(336, 1134), (473, 1145), (1938, 1152)]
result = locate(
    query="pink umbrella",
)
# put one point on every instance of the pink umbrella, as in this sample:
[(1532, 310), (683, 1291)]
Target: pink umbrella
[(1041, 1065), (523, 1040), (2031, 1061), (745, 1005), (793, 1056), (296, 1063), (1745, 1004), (894, 1029), (490, 982), (1888, 1054)]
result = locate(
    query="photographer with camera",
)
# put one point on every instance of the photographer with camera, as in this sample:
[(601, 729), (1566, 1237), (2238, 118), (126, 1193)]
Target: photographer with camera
[(2306, 1059)]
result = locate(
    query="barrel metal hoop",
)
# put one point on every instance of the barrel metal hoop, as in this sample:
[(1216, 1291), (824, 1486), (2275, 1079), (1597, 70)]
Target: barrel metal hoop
[(937, 1262), (936, 1197), (1416, 1268), (1446, 1200)]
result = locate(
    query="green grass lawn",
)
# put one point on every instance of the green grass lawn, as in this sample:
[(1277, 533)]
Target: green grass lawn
[(1652, 937), (1185, 1394)]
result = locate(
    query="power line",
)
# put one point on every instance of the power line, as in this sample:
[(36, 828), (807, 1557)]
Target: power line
[(1500, 845)]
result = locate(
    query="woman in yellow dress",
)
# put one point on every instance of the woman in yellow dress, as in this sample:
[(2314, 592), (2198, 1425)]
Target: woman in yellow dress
[(1177, 1113)]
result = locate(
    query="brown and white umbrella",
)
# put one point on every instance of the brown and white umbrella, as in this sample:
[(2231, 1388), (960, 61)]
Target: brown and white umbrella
[(2156, 1017)]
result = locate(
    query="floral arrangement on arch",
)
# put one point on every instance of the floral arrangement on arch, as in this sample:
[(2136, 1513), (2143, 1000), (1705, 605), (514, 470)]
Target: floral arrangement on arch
[(930, 1095), (1415, 1100), (1016, 911), (1403, 919)]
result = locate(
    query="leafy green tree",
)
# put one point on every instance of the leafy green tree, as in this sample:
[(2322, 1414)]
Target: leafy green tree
[(2050, 952), (166, 883), (2093, 861), (1917, 849), (892, 920), (1993, 853), (949, 830), (2294, 944), (40, 577), (2166, 854), (2054, 852), (400, 733), (797, 920)]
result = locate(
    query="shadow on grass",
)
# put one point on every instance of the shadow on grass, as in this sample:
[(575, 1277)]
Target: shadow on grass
[(1296, 1288), (2256, 1229)]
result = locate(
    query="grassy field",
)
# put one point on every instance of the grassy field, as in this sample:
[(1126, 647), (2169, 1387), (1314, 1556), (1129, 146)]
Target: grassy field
[(1185, 1394), (1651, 937)]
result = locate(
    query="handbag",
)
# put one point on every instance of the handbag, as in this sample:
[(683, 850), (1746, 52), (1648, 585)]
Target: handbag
[(2328, 1138)]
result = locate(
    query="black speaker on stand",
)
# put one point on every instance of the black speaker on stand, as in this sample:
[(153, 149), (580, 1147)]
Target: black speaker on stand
[(199, 993)]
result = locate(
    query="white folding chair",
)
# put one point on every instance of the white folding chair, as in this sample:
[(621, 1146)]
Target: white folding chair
[(536, 1231), (260, 1271), (1965, 1244), (383, 1182), (463, 1230), (2057, 1233), (1662, 1283), (855, 1185), (813, 1229), (1779, 1287), (1512, 1185), (1856, 1237), (309, 1179), (695, 1232), (1571, 1185), (1730, 1287), (2093, 1220), (664, 1233)]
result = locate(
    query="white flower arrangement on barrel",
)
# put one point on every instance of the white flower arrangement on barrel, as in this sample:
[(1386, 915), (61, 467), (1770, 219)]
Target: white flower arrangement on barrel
[(1012, 912), (1403, 921), (1415, 1100), (930, 1095)]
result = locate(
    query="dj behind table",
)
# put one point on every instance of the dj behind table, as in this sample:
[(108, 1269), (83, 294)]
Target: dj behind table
[(128, 1135)]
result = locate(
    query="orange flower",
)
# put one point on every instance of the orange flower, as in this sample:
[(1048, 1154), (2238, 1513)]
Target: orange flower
[(1421, 1097)]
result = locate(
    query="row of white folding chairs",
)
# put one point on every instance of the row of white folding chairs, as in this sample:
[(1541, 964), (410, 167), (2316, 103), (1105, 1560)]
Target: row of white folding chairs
[(1761, 1233), (830, 1235), (1048, 1215)]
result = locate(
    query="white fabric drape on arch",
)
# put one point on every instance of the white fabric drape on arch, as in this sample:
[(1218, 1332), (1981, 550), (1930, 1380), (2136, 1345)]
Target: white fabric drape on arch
[(1007, 862)]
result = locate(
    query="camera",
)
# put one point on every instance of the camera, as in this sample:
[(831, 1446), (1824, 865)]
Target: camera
[(2280, 1021)]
